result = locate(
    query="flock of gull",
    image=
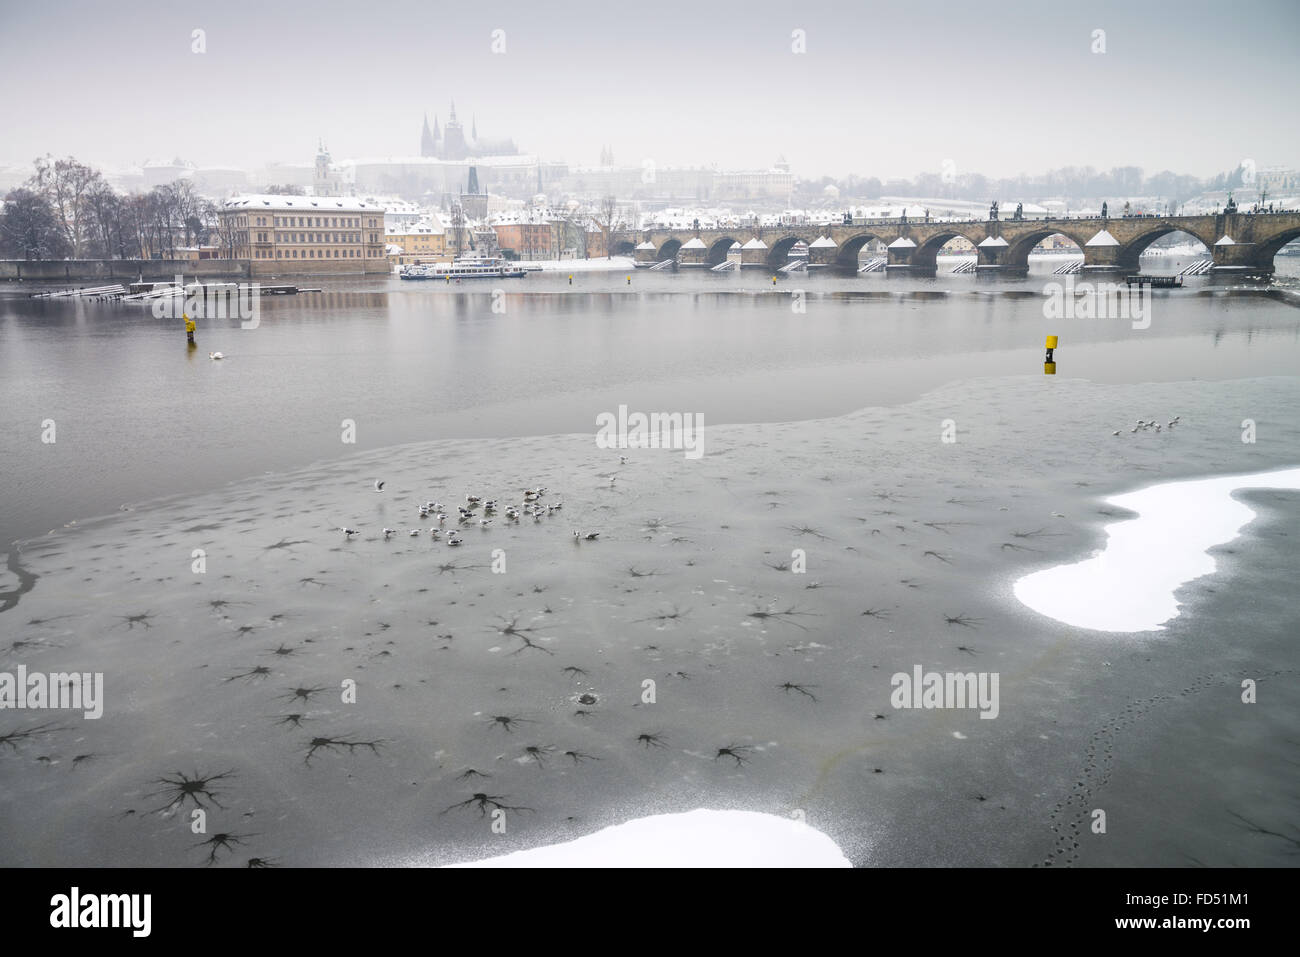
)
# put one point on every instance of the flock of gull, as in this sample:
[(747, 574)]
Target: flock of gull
[(1143, 425), (468, 514)]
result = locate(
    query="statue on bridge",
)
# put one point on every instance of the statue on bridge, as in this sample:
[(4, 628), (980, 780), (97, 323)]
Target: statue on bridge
[(993, 210), (1231, 207), (1104, 214), (1020, 211)]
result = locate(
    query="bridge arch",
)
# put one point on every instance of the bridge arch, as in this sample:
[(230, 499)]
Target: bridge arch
[(925, 254), (851, 249), (718, 250), (779, 252), (624, 248), (1017, 255), (1132, 251), (1270, 247), (668, 250)]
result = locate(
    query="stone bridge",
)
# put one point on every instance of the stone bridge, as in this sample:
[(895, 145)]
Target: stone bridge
[(1238, 241)]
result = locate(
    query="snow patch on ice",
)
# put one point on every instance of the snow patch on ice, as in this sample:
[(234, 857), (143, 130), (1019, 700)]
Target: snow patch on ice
[(699, 838), (1130, 584)]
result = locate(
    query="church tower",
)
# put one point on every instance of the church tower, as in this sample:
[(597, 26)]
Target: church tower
[(325, 182), (454, 146), (428, 143)]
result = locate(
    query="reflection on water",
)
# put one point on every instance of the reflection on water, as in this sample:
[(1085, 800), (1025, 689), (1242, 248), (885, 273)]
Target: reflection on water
[(138, 415)]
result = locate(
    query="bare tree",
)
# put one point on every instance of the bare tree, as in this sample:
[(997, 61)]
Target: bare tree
[(67, 184), (188, 210), (104, 210), (227, 236)]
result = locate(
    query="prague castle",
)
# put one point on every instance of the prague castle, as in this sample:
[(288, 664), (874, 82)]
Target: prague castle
[(451, 143)]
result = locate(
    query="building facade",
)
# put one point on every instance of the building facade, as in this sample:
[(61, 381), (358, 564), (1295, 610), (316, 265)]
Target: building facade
[(525, 239), (418, 243), (304, 233)]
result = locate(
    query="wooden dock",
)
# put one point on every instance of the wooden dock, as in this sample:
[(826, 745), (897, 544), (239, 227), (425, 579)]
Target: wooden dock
[(84, 292), (146, 291)]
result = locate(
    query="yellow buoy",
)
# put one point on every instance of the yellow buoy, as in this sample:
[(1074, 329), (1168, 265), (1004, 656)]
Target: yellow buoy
[(1051, 342)]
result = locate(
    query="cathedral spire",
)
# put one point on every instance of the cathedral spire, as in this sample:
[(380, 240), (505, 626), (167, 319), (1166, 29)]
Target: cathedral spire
[(428, 145)]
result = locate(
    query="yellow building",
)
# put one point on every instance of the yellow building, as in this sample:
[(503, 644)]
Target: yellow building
[(417, 242), (304, 233)]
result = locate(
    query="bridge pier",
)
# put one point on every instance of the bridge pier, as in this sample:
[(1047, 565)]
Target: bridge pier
[(991, 253), (898, 254), (823, 251), (645, 254), (1102, 258), (1239, 257)]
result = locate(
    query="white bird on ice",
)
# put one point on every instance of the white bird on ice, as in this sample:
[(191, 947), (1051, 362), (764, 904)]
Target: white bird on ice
[(379, 486), (215, 355)]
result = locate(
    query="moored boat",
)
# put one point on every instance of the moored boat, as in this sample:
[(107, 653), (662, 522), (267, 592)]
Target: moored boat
[(485, 268)]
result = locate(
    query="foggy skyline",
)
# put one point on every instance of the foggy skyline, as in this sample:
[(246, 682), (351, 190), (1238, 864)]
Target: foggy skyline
[(885, 92)]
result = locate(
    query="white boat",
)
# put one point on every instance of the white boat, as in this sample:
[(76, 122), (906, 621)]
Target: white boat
[(485, 268)]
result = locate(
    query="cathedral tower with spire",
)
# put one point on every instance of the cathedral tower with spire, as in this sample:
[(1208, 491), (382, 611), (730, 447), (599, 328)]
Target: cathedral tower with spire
[(428, 142), (450, 142)]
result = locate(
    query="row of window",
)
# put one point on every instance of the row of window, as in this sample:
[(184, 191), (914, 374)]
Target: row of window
[(344, 221), (265, 237), (319, 238), (315, 254)]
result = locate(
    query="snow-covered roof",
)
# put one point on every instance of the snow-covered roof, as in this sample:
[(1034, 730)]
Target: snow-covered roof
[(414, 229), (1103, 238), (322, 204), (822, 242), (695, 243), (755, 243), (1226, 241), (902, 242), (645, 245), (993, 241), (734, 246)]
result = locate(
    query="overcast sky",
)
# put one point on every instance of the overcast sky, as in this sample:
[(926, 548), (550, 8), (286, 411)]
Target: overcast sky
[(884, 89)]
